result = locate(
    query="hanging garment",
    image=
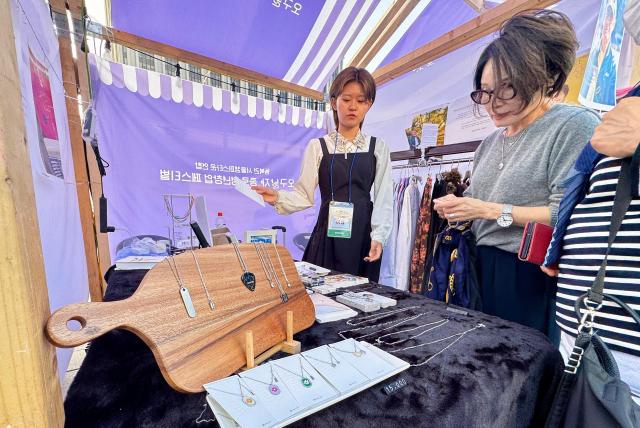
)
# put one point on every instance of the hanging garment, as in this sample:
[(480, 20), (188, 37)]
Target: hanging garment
[(452, 277), (388, 263), (345, 255), (419, 254), (406, 233)]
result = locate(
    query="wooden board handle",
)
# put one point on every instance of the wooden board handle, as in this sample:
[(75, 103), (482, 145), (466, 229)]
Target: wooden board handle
[(95, 319)]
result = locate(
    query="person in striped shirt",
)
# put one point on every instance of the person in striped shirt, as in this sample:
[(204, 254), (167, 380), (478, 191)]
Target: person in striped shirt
[(581, 245)]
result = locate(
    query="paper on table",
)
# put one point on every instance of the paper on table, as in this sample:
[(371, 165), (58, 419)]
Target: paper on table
[(246, 190)]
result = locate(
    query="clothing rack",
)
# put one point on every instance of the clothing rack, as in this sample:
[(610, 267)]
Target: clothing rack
[(427, 154), (431, 163)]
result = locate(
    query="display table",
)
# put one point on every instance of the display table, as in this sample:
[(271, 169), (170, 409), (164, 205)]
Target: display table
[(502, 375)]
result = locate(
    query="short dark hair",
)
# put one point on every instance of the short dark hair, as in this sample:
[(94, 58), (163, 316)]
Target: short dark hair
[(348, 75), (536, 50)]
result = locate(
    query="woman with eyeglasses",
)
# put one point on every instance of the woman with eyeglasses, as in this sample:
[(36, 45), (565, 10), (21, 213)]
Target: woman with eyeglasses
[(519, 169)]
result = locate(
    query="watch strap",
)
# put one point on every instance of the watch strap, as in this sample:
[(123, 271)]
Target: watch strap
[(507, 209)]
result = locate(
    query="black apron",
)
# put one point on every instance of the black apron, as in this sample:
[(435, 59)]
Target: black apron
[(340, 254)]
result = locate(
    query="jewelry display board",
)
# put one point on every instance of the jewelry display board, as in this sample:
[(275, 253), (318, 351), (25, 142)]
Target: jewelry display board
[(194, 309)]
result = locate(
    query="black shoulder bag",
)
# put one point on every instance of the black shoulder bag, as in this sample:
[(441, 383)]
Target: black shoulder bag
[(591, 393)]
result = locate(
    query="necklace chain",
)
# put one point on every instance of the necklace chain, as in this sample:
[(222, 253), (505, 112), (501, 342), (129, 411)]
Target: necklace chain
[(378, 316), (511, 145), (333, 361), (212, 305), (438, 324), (174, 271)]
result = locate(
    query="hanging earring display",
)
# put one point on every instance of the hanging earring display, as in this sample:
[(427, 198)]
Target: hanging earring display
[(304, 380), (246, 399), (272, 386), (247, 278), (184, 292), (212, 305), (281, 266)]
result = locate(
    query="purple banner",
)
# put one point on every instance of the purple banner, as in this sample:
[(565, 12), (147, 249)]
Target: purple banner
[(300, 41), (156, 146)]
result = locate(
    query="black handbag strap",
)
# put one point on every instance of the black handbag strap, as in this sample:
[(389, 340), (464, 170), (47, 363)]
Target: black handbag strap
[(620, 206)]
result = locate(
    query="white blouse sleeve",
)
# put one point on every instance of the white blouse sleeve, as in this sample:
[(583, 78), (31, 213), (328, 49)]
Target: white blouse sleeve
[(382, 215), (301, 197)]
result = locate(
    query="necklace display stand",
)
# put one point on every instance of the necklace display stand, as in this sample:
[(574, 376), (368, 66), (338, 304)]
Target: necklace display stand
[(288, 346), (193, 351)]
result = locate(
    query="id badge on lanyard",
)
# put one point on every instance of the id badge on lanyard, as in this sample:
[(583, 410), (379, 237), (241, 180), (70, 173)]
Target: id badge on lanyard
[(340, 213), (340, 219)]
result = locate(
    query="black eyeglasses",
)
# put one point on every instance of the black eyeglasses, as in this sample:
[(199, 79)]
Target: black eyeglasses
[(504, 93)]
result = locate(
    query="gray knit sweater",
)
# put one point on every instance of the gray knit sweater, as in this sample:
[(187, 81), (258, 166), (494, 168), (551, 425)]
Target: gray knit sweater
[(534, 168)]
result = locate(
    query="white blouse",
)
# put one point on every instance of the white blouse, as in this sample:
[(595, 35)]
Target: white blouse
[(302, 195)]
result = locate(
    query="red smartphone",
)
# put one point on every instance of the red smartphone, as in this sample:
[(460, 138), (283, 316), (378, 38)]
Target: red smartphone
[(535, 241)]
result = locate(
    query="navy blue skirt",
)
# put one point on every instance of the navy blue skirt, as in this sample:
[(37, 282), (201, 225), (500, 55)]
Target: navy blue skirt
[(517, 291)]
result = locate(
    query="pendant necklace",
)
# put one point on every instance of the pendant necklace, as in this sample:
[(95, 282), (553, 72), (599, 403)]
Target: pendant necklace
[(274, 274), (458, 336), (281, 266), (264, 265), (378, 316), (184, 292), (357, 351), (247, 278), (247, 400), (333, 361), (390, 324), (272, 386), (437, 324), (212, 305), (305, 381), (511, 145)]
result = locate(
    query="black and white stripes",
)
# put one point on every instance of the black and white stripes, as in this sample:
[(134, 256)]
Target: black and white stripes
[(584, 246)]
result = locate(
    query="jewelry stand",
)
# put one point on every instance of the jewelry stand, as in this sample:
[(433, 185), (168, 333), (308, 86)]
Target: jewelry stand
[(193, 310), (288, 346)]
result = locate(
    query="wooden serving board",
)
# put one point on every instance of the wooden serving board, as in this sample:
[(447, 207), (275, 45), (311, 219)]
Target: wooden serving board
[(210, 346)]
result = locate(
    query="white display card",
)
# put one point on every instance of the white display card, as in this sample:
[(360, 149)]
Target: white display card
[(335, 368), (224, 419), (288, 370), (226, 392), (366, 362), (277, 397), (395, 362)]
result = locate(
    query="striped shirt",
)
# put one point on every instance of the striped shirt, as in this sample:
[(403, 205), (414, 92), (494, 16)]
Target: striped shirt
[(584, 246)]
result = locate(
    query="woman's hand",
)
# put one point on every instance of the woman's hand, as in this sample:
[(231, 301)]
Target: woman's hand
[(268, 194), (619, 133), (550, 271), (375, 252), (454, 208)]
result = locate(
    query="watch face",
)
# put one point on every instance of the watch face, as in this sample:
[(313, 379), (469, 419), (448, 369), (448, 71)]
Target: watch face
[(505, 220)]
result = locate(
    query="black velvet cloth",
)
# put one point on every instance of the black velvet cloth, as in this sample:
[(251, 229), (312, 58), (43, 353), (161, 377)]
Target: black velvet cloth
[(503, 375)]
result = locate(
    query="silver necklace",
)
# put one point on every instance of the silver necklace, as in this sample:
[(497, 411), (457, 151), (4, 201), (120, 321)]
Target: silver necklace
[(283, 296), (438, 324), (247, 278), (390, 324), (184, 292), (212, 305), (264, 265), (378, 316), (357, 351), (305, 381), (511, 146), (272, 386), (247, 400), (458, 335), (333, 361), (281, 266)]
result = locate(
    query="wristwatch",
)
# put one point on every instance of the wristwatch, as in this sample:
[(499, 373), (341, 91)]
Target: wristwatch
[(505, 219)]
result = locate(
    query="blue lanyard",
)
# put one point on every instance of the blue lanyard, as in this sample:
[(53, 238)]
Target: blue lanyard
[(353, 161)]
